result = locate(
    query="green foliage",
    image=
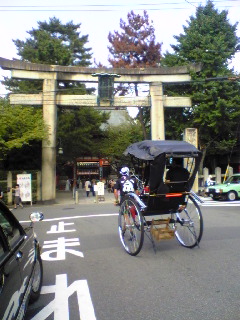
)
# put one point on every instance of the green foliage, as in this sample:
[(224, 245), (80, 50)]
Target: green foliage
[(210, 39), (19, 126), (26, 158), (217, 114), (55, 43), (80, 132), (175, 123), (52, 43), (119, 138)]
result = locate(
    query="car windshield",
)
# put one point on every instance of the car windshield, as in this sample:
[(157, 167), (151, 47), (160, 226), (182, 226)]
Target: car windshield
[(233, 179)]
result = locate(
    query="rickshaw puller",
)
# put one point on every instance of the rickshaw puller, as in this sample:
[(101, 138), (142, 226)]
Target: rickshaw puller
[(124, 185)]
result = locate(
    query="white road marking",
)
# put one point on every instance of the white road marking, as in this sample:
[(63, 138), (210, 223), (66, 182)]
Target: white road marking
[(60, 228), (59, 305), (209, 202), (60, 245), (76, 217)]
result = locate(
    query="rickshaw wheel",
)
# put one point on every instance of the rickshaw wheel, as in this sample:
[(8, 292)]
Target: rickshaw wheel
[(130, 226), (189, 224)]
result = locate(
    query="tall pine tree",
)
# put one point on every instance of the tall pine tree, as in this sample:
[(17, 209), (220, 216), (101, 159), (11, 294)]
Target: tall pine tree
[(56, 43), (52, 43), (210, 39), (135, 47)]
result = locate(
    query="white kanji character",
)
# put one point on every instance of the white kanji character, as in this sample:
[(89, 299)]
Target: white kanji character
[(60, 227), (59, 305), (60, 244)]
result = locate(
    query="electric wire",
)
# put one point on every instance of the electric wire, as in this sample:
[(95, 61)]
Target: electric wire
[(114, 7)]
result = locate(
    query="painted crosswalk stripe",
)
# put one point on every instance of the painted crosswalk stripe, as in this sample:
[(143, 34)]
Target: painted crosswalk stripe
[(209, 202)]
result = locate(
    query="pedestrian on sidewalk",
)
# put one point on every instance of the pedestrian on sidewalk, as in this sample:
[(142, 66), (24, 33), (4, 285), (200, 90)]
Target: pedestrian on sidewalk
[(68, 185), (93, 182), (87, 187), (17, 198), (1, 194), (113, 182)]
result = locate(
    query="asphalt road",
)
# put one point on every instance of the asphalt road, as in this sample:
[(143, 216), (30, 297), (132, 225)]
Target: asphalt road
[(88, 275)]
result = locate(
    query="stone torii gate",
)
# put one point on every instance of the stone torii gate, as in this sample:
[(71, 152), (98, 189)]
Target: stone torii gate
[(49, 98)]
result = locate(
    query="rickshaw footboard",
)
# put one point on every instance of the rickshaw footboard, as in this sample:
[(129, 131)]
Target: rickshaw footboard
[(162, 230)]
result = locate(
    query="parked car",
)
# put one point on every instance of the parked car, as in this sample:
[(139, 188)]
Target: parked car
[(21, 269), (229, 190)]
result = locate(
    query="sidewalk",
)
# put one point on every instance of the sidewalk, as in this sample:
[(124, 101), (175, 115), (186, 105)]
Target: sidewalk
[(66, 197)]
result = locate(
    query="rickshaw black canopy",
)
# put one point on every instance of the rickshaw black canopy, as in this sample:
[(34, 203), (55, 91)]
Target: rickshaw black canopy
[(156, 151), (150, 149)]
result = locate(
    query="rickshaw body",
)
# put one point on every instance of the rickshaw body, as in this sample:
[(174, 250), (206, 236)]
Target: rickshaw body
[(163, 209)]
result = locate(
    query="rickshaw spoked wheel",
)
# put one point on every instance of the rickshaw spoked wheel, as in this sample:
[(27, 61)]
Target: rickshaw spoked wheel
[(189, 224), (130, 226)]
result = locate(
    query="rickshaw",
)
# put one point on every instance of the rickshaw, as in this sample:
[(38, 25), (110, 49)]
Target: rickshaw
[(163, 209)]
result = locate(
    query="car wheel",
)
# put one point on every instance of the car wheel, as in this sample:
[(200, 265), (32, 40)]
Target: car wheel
[(231, 196), (37, 280)]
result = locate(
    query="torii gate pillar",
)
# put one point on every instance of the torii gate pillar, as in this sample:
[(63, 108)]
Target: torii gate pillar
[(49, 145), (157, 111)]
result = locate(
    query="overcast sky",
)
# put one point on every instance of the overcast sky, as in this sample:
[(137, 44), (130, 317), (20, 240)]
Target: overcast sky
[(98, 18)]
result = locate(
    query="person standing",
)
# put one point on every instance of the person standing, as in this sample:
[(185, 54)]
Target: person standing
[(68, 185), (112, 185), (17, 197), (109, 185), (93, 182), (124, 185), (209, 181), (1, 194), (87, 187), (78, 182)]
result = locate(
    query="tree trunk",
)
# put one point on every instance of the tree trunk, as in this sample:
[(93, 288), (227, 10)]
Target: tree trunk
[(140, 117), (204, 152)]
